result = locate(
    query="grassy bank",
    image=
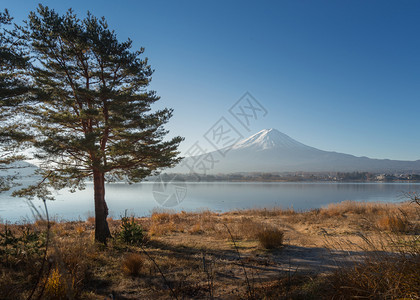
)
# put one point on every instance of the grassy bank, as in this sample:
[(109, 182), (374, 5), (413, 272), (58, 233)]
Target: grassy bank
[(342, 251)]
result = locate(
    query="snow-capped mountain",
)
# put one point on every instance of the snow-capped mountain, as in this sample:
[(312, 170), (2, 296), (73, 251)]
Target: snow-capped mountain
[(273, 151), (269, 138)]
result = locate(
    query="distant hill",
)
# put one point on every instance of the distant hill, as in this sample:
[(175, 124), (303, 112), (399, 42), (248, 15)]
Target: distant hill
[(23, 168), (273, 151), (23, 171)]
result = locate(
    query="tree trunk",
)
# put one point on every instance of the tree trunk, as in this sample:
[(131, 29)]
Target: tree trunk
[(101, 209)]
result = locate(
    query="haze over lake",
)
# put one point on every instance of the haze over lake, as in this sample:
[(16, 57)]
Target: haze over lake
[(138, 199)]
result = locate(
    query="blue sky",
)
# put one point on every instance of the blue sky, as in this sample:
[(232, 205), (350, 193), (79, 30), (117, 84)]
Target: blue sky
[(337, 75)]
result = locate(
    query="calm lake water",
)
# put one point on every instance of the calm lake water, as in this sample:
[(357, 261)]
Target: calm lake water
[(140, 199)]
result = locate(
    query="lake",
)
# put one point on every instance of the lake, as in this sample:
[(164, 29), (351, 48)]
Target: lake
[(140, 199)]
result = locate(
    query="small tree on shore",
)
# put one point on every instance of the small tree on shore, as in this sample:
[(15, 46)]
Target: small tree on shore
[(92, 116)]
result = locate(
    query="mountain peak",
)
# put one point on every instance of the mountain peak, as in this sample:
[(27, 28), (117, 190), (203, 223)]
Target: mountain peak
[(270, 150), (267, 131), (268, 139)]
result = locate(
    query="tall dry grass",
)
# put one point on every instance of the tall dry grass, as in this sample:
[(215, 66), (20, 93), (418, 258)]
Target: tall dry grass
[(390, 268), (381, 275)]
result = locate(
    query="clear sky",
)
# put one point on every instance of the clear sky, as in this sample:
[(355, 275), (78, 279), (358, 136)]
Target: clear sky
[(336, 75)]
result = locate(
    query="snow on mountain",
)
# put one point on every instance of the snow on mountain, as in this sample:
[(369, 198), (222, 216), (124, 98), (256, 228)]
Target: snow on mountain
[(273, 151), (268, 139)]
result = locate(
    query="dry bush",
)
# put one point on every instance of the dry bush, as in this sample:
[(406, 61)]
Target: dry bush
[(393, 224), (270, 238), (132, 264)]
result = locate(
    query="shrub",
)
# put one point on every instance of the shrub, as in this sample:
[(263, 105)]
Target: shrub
[(132, 264), (393, 223), (131, 232), (21, 245), (270, 238)]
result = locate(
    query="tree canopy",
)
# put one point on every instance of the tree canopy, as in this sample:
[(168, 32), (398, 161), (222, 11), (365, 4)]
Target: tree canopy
[(13, 92), (92, 114)]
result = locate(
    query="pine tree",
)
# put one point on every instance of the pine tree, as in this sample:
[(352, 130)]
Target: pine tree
[(13, 92), (93, 116)]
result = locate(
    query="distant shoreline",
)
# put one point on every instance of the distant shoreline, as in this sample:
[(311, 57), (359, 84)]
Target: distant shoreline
[(355, 177)]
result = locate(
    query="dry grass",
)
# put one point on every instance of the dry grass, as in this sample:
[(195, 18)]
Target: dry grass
[(391, 264), (390, 270), (196, 229), (265, 212), (389, 278), (367, 209), (90, 220), (163, 223), (195, 254), (394, 223), (336, 209)]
